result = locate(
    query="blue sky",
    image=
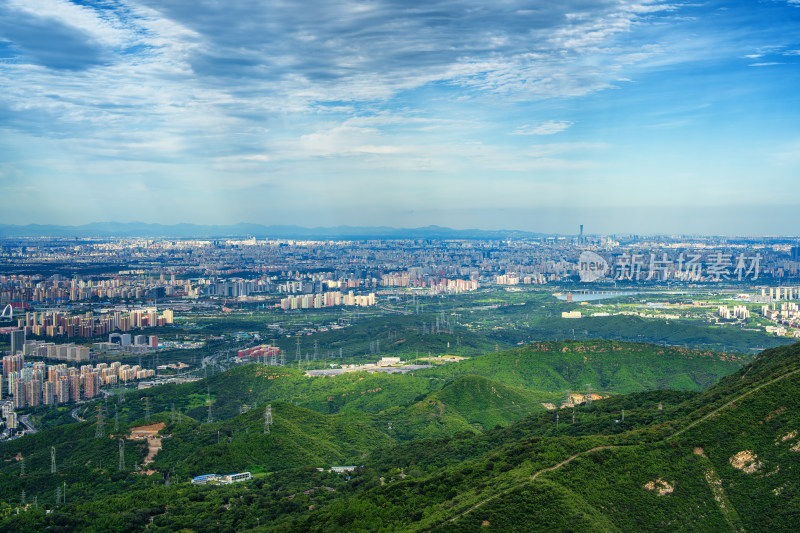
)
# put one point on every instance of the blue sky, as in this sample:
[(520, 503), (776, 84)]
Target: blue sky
[(625, 115)]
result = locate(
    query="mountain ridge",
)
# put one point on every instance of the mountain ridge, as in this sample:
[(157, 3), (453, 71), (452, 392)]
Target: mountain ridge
[(242, 229)]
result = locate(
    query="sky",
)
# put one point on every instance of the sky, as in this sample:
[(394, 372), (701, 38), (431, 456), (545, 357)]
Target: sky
[(627, 116)]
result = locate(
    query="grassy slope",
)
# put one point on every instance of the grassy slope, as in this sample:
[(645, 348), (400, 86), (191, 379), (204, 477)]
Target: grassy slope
[(297, 437), (449, 475), (605, 489), (612, 366)]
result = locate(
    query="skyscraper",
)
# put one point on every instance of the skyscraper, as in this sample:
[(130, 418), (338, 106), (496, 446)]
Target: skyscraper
[(17, 341)]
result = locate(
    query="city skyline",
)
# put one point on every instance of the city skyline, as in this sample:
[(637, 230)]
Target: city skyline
[(626, 116)]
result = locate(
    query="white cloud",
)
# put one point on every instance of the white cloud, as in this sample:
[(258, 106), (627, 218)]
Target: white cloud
[(546, 128)]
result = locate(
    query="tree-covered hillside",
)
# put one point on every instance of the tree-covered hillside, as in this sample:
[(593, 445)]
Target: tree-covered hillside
[(467, 454)]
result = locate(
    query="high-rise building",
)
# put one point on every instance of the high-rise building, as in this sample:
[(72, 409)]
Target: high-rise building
[(91, 385), (33, 392), (62, 390), (17, 341), (48, 392), (74, 386), (18, 390), (12, 363)]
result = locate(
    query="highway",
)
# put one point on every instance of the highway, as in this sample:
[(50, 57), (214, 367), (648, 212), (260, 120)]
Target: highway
[(29, 429), (74, 414)]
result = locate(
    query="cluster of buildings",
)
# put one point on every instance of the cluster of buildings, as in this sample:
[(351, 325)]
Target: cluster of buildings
[(9, 415), (59, 290), (257, 352), (327, 299), (42, 384), (55, 323), (412, 279), (787, 315), (127, 343), (739, 311), (777, 294), (47, 350), (514, 279), (216, 479)]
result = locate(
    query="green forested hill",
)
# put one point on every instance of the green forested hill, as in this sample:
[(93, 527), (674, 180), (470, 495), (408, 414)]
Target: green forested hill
[(611, 366), (547, 369), (724, 459), (297, 437), (728, 464)]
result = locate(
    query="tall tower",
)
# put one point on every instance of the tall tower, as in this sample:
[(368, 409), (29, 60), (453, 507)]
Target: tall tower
[(99, 432), (267, 419), (208, 402), (580, 237)]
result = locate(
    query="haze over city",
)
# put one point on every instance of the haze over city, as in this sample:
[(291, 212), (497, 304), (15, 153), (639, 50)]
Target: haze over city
[(626, 116)]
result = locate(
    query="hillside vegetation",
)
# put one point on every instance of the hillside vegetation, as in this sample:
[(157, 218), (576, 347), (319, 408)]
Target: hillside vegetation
[(476, 451)]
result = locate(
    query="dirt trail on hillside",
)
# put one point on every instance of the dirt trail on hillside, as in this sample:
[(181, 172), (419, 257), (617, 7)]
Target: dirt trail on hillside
[(533, 477), (150, 433), (730, 513)]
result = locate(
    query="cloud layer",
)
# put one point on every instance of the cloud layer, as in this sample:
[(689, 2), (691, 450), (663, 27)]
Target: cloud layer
[(231, 104)]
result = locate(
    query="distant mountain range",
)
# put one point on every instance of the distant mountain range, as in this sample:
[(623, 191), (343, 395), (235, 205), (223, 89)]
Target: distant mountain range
[(141, 229)]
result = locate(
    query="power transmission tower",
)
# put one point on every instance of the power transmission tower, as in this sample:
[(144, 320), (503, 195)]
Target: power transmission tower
[(147, 408), (172, 414), (267, 419), (589, 394), (297, 356), (121, 455), (315, 350), (116, 420), (58, 495), (22, 497), (99, 431), (22, 467), (52, 459), (556, 420), (208, 402), (64, 493)]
